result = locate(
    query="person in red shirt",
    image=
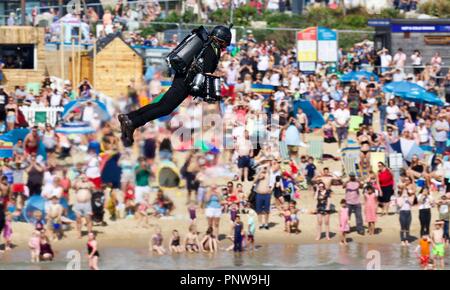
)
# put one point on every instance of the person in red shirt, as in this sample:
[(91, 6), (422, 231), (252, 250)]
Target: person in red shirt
[(386, 184)]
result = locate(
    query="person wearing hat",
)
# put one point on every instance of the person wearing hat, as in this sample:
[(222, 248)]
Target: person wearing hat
[(218, 40)]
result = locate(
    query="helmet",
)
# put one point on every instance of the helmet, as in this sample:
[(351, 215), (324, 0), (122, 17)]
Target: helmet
[(222, 33)]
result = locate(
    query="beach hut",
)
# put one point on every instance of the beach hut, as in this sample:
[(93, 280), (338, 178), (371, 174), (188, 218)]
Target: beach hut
[(110, 66), (22, 49)]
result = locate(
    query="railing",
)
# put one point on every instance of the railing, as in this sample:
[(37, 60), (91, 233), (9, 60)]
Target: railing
[(39, 115)]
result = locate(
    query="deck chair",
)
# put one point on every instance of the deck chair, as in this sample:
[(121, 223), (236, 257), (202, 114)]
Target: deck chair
[(315, 149), (350, 162), (284, 152)]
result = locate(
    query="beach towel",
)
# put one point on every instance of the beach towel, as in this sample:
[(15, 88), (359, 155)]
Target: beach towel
[(376, 157), (355, 121)]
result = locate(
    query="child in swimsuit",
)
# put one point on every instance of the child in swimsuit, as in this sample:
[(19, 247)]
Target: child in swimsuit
[(192, 212), (344, 226), (7, 231), (294, 218), (156, 242), (238, 234), (192, 243), (424, 248), (34, 244), (286, 214), (175, 243), (438, 243)]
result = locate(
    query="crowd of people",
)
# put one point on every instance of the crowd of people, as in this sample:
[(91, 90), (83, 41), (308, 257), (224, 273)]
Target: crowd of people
[(270, 175)]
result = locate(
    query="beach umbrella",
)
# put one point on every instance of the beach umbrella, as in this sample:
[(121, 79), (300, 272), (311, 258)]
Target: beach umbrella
[(401, 88), (424, 97), (99, 107), (358, 75), (15, 135), (80, 128), (409, 148)]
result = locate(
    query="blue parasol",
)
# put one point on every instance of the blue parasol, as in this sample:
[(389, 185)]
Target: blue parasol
[(100, 108)]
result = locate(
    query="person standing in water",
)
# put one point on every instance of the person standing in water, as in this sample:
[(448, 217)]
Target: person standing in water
[(92, 249)]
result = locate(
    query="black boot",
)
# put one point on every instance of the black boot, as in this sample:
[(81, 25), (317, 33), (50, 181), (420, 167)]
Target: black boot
[(127, 130)]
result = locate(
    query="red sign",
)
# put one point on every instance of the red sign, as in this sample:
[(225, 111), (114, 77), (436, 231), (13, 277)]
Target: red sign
[(307, 34)]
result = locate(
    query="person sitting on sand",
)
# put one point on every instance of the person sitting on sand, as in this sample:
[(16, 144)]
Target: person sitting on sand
[(46, 251), (142, 212), (175, 245), (191, 242), (34, 244), (163, 205), (294, 217), (54, 211), (156, 242), (209, 242), (326, 177)]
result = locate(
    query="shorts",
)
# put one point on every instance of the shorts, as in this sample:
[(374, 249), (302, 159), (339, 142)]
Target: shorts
[(342, 133), (140, 191), (83, 209), (387, 191), (97, 181), (250, 238), (18, 188), (424, 260), (439, 250), (212, 212), (201, 193), (262, 203), (127, 178), (244, 161)]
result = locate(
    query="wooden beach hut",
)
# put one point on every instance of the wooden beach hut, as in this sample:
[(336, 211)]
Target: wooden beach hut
[(22, 51), (110, 66)]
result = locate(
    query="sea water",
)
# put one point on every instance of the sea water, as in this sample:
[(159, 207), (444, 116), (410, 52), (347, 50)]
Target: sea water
[(355, 256)]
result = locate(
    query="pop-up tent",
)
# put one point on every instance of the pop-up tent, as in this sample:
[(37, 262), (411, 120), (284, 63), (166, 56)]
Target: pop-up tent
[(168, 175)]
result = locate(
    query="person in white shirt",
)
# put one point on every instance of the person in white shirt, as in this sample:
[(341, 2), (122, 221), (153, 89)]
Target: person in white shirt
[(441, 128), (88, 113), (263, 63), (399, 59), (392, 111), (416, 59), (256, 102), (398, 75), (385, 59), (342, 120)]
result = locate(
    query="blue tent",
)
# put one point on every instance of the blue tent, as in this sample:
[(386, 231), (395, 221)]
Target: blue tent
[(402, 88), (357, 75), (15, 135), (423, 97), (315, 118), (100, 108), (37, 203)]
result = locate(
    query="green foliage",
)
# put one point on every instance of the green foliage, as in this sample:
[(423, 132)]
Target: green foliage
[(390, 13), (438, 8), (284, 39), (149, 30)]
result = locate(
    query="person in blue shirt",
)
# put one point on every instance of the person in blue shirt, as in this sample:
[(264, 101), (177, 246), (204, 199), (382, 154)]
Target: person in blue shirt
[(310, 170)]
